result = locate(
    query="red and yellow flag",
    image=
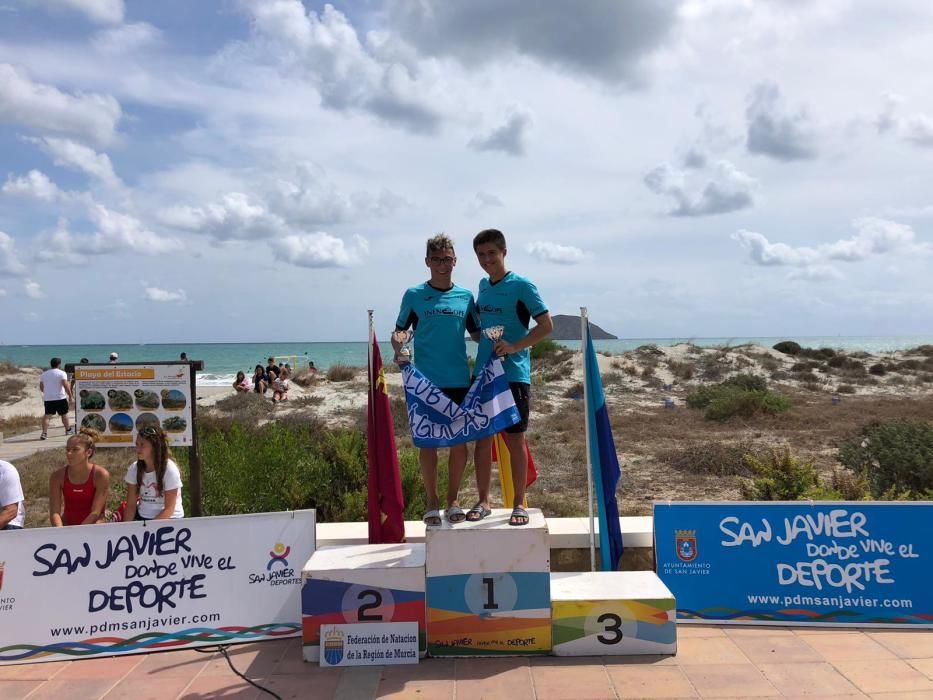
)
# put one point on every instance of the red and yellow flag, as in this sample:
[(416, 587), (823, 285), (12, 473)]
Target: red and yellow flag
[(386, 502), (502, 457)]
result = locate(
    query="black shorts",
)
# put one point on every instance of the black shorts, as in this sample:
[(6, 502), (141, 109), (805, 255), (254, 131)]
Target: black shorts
[(59, 407), (521, 392), (456, 395)]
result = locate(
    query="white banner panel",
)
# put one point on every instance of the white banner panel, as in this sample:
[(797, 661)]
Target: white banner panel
[(118, 400), (97, 590), (369, 644)]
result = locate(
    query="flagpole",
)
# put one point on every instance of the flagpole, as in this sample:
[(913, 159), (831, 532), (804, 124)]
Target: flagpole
[(369, 354), (584, 333)]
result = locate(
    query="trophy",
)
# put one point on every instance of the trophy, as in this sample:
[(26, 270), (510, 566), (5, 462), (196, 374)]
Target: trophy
[(403, 338), (494, 333)]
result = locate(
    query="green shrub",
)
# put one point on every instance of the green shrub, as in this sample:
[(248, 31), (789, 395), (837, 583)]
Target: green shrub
[(743, 395), (820, 354), (285, 466), (341, 373), (893, 457), (545, 347), (716, 458), (845, 389), (878, 369), (780, 476), (788, 347), (921, 350)]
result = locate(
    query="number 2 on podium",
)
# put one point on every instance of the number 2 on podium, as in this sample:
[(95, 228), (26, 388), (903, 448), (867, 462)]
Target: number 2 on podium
[(361, 615)]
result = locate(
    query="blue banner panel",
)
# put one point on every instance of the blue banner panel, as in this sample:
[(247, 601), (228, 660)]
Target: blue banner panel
[(856, 562)]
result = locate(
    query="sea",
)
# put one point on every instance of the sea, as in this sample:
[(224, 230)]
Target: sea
[(223, 360)]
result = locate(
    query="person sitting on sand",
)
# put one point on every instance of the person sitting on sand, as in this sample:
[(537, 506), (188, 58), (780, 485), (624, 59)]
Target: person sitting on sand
[(280, 386), (78, 491), (260, 380), (272, 369), (242, 384), (153, 481), (12, 501), (311, 368)]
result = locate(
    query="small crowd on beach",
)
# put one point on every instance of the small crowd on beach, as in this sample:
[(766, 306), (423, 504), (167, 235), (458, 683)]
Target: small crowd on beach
[(272, 378)]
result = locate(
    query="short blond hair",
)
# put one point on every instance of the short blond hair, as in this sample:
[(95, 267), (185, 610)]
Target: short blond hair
[(438, 243)]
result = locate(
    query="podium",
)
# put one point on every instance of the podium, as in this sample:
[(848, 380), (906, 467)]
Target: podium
[(362, 583), (603, 613), (488, 587)]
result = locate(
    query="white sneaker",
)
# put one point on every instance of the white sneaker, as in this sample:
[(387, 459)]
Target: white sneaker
[(70, 431)]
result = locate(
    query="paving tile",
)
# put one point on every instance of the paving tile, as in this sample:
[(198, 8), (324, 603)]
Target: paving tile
[(572, 682), (252, 660), (422, 690), (290, 687), (780, 649), (762, 631), (916, 644), (147, 688), (906, 695), (640, 660), (846, 646), (226, 687), (885, 676), (358, 683), (807, 679), (729, 681), (33, 672), (77, 689), (925, 666), (184, 663), (847, 696), (115, 667), (650, 682), (494, 678), (688, 631), (709, 650), (425, 670), (17, 690)]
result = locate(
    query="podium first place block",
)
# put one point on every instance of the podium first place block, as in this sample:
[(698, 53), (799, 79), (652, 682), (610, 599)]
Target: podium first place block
[(361, 583), (488, 587), (603, 613)]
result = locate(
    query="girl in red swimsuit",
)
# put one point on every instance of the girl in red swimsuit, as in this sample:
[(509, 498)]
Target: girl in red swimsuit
[(78, 491)]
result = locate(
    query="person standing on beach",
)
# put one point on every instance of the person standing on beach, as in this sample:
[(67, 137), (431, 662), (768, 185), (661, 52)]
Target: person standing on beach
[(12, 501), (441, 313), (511, 301), (56, 394)]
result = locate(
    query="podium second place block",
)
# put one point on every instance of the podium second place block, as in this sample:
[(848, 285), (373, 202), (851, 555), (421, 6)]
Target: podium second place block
[(361, 583), (488, 587)]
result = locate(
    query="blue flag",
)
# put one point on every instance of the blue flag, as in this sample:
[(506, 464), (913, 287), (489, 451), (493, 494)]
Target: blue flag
[(603, 461), (436, 421)]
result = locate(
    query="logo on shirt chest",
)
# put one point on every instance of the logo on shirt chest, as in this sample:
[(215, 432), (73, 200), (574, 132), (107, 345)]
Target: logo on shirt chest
[(444, 311)]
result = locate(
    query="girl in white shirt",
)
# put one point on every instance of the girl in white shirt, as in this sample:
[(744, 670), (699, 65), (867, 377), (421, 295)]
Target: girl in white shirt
[(153, 489)]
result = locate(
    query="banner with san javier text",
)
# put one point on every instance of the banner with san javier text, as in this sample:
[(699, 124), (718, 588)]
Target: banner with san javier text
[(120, 400), (830, 563), (97, 590)]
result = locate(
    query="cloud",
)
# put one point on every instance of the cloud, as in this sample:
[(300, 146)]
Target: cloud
[(46, 108), (555, 253), (873, 237), (100, 11), (9, 262), (163, 295), (126, 38), (319, 250), (608, 41), (68, 154), (816, 273), (34, 184), (508, 137), (774, 132), (33, 290), (116, 233), (237, 216), (916, 128), (348, 75), (482, 200), (727, 189), (2, 292)]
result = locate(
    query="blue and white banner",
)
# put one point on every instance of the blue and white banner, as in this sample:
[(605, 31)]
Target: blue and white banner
[(830, 563), (436, 421)]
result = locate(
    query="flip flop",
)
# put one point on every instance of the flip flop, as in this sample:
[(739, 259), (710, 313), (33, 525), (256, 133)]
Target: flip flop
[(477, 513), (455, 515), (432, 518), (519, 516)]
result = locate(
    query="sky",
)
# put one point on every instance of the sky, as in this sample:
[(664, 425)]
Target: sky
[(251, 170)]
